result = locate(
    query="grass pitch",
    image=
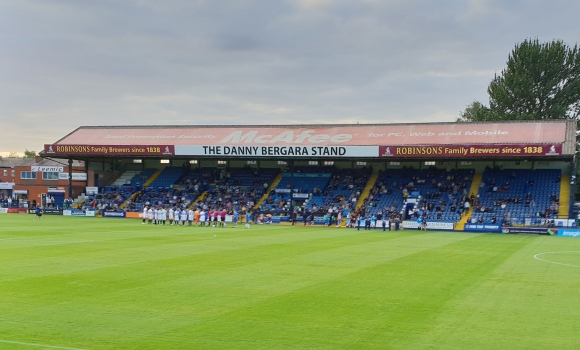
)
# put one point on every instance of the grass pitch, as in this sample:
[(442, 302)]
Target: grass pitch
[(88, 283)]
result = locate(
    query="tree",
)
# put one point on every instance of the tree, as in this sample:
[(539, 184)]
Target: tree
[(29, 154), (13, 155), (476, 111), (541, 81)]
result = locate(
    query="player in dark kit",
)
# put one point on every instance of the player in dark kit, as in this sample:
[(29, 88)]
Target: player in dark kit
[(37, 213)]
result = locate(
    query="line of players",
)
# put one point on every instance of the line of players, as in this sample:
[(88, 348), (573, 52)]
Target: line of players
[(189, 217)]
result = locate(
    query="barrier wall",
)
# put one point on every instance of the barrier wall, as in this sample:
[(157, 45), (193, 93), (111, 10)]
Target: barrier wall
[(114, 214), (431, 225), (482, 227)]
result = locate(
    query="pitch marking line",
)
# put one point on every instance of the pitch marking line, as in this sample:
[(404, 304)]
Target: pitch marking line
[(38, 345), (553, 262), (33, 240)]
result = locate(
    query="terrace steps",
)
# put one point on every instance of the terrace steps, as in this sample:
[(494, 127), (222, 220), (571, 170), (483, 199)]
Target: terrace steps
[(199, 199), (147, 183), (152, 178), (564, 196), (460, 225), (367, 190), (270, 188)]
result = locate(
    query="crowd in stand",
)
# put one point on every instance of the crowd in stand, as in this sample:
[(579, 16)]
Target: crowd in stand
[(5, 201), (499, 201), (110, 200), (443, 197)]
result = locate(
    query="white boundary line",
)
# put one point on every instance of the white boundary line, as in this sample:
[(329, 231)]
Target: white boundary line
[(553, 262), (37, 345), (17, 239)]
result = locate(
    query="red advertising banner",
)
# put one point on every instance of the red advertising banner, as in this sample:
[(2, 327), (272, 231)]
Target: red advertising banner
[(324, 135), (470, 151), (17, 211), (118, 150)]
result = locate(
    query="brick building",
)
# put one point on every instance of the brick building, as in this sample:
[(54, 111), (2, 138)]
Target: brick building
[(29, 179)]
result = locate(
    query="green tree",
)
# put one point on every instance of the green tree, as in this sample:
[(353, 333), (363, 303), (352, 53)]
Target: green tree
[(541, 81), (29, 154), (476, 111)]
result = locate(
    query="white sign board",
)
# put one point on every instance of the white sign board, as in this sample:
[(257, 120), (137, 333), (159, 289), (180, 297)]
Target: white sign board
[(75, 176), (54, 169), (431, 225), (278, 151), (92, 190), (6, 185)]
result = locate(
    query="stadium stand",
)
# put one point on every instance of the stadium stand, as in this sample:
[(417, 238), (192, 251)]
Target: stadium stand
[(438, 194), (167, 178), (517, 196)]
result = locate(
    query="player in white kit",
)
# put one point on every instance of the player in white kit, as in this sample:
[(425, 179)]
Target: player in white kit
[(183, 216), (189, 217), (163, 216), (144, 215), (150, 215), (171, 211), (201, 218)]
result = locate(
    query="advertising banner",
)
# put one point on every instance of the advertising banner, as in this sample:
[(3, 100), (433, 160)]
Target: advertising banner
[(525, 230), (482, 228), (278, 151), (92, 191), (114, 214), (6, 185), (75, 176), (300, 195), (53, 169), (17, 211), (111, 150), (3, 210), (90, 213), (431, 225), (51, 211), (20, 192), (74, 212), (320, 135), (134, 215), (565, 232), (526, 150), (306, 175)]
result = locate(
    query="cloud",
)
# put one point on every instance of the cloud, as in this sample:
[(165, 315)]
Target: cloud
[(72, 63)]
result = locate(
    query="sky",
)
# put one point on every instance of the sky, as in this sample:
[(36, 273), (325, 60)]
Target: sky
[(70, 63)]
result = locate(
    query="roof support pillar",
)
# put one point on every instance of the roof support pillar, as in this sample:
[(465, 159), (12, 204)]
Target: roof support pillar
[(70, 162)]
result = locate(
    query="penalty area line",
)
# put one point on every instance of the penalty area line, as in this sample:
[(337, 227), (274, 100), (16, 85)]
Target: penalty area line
[(553, 262), (37, 345)]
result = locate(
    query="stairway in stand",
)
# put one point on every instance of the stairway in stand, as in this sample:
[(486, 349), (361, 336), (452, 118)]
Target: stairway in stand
[(270, 188), (367, 190), (564, 196), (147, 183), (460, 225)]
